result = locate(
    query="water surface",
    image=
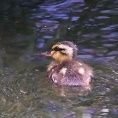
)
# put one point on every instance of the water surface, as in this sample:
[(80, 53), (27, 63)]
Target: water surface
[(25, 91)]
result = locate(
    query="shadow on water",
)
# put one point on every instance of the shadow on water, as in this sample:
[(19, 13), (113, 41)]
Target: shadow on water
[(25, 91)]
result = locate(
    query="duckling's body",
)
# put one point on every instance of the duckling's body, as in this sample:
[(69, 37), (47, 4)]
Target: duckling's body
[(66, 69), (71, 73)]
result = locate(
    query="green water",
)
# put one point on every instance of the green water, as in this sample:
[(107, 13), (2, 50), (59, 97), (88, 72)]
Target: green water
[(25, 91)]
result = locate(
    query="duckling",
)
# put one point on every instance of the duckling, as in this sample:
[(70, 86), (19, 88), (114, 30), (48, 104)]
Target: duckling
[(66, 69)]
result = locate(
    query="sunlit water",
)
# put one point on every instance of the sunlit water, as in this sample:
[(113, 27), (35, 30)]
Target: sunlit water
[(25, 91)]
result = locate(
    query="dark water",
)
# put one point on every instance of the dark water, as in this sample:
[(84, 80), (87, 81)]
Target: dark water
[(24, 89)]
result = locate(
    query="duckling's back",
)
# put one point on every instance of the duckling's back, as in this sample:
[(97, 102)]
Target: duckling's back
[(70, 73)]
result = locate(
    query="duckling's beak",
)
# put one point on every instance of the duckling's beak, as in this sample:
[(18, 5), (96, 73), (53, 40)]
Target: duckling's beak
[(47, 54)]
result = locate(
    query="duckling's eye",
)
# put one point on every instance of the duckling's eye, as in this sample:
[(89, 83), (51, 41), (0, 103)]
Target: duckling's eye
[(57, 49)]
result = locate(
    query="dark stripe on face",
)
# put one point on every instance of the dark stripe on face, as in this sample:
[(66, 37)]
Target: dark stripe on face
[(57, 49)]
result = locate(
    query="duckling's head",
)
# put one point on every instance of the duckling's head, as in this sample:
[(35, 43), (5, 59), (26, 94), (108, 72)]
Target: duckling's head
[(63, 51)]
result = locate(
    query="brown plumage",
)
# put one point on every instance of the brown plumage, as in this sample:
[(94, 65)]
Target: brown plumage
[(65, 69)]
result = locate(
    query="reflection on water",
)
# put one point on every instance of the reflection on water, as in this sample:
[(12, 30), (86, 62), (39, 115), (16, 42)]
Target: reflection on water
[(25, 91), (92, 26)]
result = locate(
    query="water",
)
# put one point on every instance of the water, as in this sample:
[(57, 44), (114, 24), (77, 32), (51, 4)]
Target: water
[(25, 91)]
